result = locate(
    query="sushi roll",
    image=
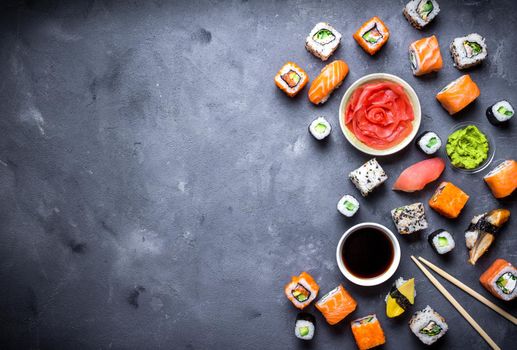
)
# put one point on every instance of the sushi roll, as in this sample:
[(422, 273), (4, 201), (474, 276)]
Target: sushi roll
[(425, 56), (302, 290), (336, 305), (503, 179), (500, 279), (468, 51), (428, 325), (330, 78), (420, 13), (368, 177), (291, 79), (428, 142), (448, 200), (348, 205), (372, 35), (305, 326), (500, 113), (409, 218), (323, 40), (368, 332), (458, 94), (320, 128), (441, 241), (401, 297)]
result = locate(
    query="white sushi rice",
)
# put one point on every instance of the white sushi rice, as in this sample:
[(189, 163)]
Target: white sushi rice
[(442, 249), (300, 324), (411, 13), (471, 236), (320, 128), (285, 69), (425, 141), (421, 319), (459, 51), (501, 116), (322, 50), (348, 205), (368, 176)]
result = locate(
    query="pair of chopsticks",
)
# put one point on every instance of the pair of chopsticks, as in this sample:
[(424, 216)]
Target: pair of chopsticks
[(457, 305)]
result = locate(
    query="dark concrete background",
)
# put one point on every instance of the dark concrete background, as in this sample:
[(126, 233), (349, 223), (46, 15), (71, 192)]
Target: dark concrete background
[(157, 190)]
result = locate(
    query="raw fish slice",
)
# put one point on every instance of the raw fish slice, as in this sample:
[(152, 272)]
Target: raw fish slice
[(330, 78), (419, 174)]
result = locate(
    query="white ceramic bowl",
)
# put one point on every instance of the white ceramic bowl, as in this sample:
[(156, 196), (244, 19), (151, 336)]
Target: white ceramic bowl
[(374, 280), (413, 98)]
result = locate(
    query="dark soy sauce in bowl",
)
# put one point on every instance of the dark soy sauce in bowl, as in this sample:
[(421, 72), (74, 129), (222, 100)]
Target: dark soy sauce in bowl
[(367, 253)]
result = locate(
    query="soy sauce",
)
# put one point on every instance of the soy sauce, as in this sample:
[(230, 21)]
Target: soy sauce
[(367, 253)]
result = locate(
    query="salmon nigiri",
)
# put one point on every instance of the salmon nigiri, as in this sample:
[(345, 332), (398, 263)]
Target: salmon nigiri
[(330, 78), (419, 174), (503, 179), (425, 56), (336, 305), (458, 94)]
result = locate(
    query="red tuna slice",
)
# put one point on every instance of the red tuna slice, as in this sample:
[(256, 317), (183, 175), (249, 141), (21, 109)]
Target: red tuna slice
[(419, 174)]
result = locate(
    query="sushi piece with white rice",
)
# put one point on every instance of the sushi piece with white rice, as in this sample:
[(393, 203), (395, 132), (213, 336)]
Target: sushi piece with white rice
[(305, 326), (500, 112), (468, 51), (348, 205), (320, 128), (368, 177), (428, 325), (442, 241), (409, 218), (428, 142), (421, 12), (323, 40)]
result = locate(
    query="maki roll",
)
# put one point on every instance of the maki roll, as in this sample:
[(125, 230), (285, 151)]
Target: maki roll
[(409, 218), (420, 13), (503, 179), (305, 326), (448, 200), (500, 279), (428, 325), (348, 205), (425, 56), (368, 332), (372, 35), (291, 79), (401, 297), (302, 290), (323, 40), (368, 177), (428, 142), (320, 128), (468, 51), (441, 241), (458, 94), (500, 113), (336, 305)]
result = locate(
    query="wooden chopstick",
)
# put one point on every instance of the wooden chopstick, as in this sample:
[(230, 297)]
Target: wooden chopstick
[(469, 290), (457, 305)]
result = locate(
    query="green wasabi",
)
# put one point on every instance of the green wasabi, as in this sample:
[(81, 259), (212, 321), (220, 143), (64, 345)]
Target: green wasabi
[(467, 148)]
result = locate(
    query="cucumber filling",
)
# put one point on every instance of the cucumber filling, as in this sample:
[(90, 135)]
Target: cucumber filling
[(324, 36), (433, 141), (431, 329), (349, 205), (472, 48), (320, 128), (301, 293), (373, 35), (365, 320), (506, 282), (304, 331), (425, 7), (442, 242), (291, 78), (505, 111)]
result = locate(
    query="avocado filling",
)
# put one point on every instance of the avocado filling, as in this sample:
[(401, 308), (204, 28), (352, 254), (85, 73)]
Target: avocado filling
[(349, 205), (412, 59), (365, 320), (301, 293), (320, 128), (323, 36), (291, 78), (425, 8), (304, 331), (373, 35), (503, 110), (432, 142), (431, 329), (472, 48), (506, 282)]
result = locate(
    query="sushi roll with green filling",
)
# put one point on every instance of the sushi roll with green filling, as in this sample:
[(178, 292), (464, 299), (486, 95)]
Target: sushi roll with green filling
[(323, 40), (428, 325), (320, 128), (500, 113), (441, 241), (420, 13), (468, 51), (305, 326), (428, 142), (348, 205)]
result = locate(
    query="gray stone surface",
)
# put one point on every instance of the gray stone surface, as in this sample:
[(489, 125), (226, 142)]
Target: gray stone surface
[(158, 190)]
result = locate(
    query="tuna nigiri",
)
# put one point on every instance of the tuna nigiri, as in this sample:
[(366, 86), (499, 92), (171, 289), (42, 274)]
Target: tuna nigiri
[(419, 174), (330, 78), (503, 179), (336, 305), (458, 94), (425, 56)]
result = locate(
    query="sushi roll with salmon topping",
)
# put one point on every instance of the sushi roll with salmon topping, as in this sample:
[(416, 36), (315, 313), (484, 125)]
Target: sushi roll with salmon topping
[(468, 51), (323, 40), (291, 79), (500, 279), (503, 179), (428, 325), (305, 326), (330, 78), (420, 13), (372, 35), (458, 94), (302, 290), (448, 200), (500, 113), (336, 305), (428, 142), (441, 241), (368, 332), (320, 128), (425, 56)]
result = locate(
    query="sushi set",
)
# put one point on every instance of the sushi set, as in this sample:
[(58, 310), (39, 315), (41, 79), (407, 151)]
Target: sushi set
[(380, 114)]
